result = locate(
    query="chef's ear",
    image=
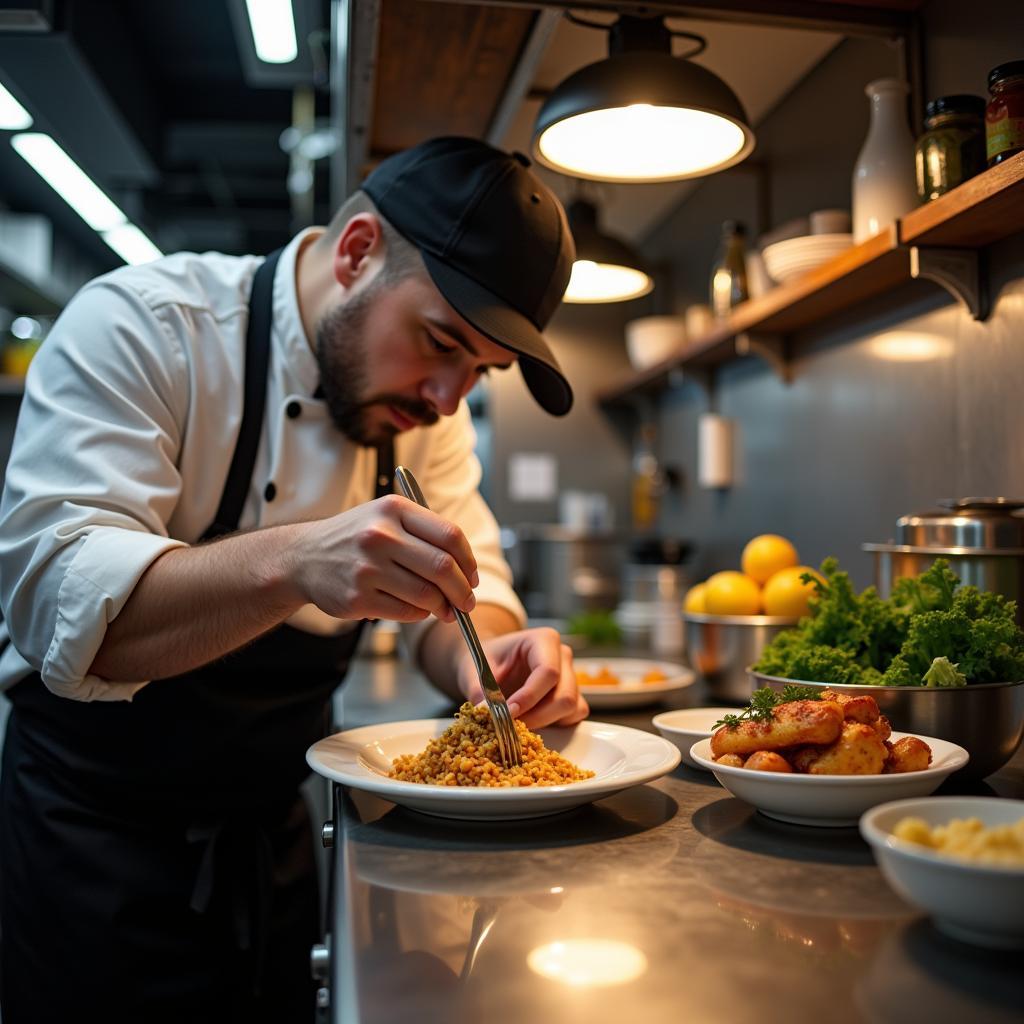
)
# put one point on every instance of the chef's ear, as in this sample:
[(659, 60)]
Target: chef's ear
[(360, 240)]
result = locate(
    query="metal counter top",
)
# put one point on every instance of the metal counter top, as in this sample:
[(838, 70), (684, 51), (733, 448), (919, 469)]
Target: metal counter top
[(709, 910)]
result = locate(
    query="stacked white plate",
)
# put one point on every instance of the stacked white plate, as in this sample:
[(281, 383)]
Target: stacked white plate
[(794, 257)]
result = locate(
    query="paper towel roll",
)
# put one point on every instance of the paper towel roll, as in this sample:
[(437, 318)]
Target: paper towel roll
[(714, 450)]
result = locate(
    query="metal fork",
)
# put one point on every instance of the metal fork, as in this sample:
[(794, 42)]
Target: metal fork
[(504, 727)]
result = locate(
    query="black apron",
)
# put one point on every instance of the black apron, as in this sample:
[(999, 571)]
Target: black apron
[(156, 858)]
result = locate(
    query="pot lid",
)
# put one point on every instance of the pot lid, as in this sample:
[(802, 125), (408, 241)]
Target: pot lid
[(965, 522)]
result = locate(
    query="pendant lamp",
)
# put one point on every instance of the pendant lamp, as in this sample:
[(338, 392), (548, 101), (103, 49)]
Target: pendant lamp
[(606, 269), (642, 115)]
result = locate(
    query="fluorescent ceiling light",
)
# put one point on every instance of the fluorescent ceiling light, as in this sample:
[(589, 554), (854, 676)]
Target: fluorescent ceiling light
[(131, 244), (85, 197), (68, 180), (13, 116), (273, 30)]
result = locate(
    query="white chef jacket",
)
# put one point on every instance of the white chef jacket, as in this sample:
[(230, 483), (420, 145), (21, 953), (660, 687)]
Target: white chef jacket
[(129, 421)]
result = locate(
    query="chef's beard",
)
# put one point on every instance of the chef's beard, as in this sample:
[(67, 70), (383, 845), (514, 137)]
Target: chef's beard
[(341, 353)]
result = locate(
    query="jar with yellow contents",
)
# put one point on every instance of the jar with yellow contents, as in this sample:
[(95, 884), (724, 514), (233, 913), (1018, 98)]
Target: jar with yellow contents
[(952, 148)]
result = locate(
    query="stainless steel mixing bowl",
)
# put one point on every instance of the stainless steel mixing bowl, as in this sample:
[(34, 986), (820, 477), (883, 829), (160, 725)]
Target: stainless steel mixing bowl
[(720, 647)]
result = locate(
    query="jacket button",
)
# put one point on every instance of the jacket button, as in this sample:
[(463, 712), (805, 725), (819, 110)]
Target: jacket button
[(270, 491), (293, 410)]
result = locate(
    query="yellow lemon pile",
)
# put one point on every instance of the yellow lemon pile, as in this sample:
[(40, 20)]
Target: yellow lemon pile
[(769, 583)]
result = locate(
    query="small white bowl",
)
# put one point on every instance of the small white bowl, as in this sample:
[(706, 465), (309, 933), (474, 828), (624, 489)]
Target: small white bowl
[(831, 800), (978, 903), (685, 726), (651, 339)]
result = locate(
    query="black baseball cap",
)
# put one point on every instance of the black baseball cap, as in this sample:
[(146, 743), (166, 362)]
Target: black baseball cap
[(495, 241)]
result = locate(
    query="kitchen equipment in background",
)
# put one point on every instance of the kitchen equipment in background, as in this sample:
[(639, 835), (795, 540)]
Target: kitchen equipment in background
[(883, 177), (648, 481), (830, 222), (654, 583), (606, 268), (699, 320), (1004, 115), (650, 339), (759, 281), (982, 538), (586, 511), (722, 647), (729, 271), (559, 572), (952, 147), (986, 719), (794, 257), (715, 436)]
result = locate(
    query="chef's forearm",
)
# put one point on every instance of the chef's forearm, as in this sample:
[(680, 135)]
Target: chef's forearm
[(443, 644), (196, 604)]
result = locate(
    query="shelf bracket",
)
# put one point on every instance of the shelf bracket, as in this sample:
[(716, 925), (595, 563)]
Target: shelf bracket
[(769, 347), (957, 270)]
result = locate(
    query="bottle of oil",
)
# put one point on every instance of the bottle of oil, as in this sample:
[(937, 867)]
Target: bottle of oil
[(647, 483), (729, 271)]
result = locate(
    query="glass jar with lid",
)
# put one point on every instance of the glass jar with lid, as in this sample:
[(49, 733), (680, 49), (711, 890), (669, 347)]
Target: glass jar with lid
[(952, 148), (1004, 116)]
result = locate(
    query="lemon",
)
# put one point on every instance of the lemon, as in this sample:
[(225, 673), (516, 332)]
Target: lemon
[(764, 556), (786, 594), (732, 593), (694, 600)]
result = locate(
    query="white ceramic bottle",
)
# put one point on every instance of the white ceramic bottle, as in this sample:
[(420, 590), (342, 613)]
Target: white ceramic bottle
[(883, 177)]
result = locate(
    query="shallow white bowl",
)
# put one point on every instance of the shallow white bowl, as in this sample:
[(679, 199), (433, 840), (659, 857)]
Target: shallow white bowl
[(620, 758), (796, 256), (978, 903), (831, 800), (650, 339), (631, 692), (687, 725)]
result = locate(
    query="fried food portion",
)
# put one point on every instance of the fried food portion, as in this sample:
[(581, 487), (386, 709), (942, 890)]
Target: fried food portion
[(858, 751), (856, 707), (767, 761), (796, 723), (730, 760), (908, 755), (882, 727)]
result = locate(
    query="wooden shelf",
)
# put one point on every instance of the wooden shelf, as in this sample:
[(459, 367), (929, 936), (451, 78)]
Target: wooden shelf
[(981, 211)]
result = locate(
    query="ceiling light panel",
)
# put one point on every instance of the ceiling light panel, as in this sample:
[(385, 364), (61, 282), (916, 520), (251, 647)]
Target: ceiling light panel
[(273, 30), (13, 116)]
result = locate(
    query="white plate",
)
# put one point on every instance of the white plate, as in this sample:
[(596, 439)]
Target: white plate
[(618, 756), (687, 725), (831, 799), (978, 903), (631, 692)]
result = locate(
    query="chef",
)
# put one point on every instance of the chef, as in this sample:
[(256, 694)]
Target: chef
[(197, 521)]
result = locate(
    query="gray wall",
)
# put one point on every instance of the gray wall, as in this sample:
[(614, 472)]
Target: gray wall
[(856, 439), (591, 449)]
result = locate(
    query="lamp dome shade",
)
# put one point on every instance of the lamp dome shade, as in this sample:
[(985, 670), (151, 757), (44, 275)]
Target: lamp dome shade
[(642, 116), (606, 269)]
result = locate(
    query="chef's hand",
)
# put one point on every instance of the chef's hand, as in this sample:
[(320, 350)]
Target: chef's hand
[(534, 670), (386, 559)]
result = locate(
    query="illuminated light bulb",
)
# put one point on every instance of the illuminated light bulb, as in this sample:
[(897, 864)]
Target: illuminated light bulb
[(588, 963)]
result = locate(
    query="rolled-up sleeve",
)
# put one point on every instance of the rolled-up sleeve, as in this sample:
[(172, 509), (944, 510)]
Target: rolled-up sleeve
[(449, 473), (91, 484)]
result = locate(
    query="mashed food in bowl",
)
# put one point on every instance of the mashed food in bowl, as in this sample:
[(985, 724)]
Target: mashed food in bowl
[(466, 754), (968, 839)]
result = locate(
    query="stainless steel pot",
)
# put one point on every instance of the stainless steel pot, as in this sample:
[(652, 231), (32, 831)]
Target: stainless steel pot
[(982, 538), (986, 719)]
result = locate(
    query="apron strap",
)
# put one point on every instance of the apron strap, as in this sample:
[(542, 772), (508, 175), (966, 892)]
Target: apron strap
[(257, 360)]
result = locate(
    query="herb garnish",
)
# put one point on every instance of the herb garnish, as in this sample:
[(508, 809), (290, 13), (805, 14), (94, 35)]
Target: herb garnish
[(764, 701)]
